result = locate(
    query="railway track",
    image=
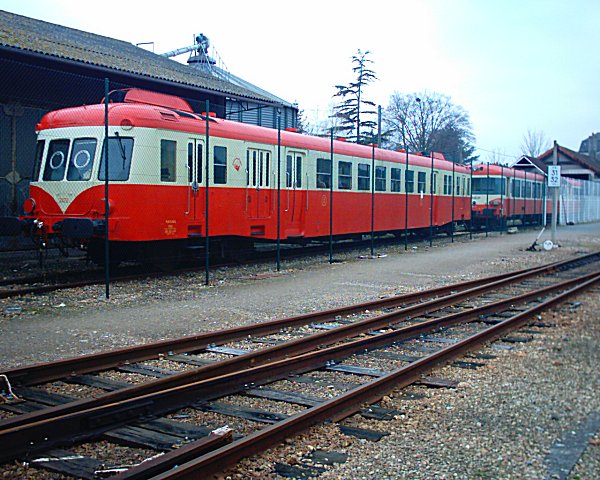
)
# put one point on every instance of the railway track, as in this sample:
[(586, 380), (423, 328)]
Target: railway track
[(60, 279), (193, 375)]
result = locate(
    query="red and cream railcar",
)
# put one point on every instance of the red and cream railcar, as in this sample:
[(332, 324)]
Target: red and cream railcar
[(158, 149), (502, 194)]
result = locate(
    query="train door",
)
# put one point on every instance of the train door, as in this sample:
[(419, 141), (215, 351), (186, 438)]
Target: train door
[(195, 172), (294, 201), (259, 188)]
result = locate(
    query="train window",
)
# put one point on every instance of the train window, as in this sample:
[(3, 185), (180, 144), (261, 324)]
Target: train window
[(434, 183), (345, 175), (168, 151), (458, 182), (37, 163), (220, 165), (396, 180), (288, 171), (447, 185), (323, 173), (380, 180), (190, 162), (265, 167), (409, 181), (487, 185), (56, 160), (298, 171), (527, 189), (421, 180), (119, 159), (364, 176), (82, 159), (516, 188), (191, 166), (254, 167)]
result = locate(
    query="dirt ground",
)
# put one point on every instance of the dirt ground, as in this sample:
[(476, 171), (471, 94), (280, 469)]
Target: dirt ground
[(74, 322)]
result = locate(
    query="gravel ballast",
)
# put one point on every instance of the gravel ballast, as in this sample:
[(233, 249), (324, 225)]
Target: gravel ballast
[(502, 421)]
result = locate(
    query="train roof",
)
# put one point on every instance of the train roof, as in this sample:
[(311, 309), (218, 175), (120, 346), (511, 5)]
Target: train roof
[(127, 114), (497, 170)]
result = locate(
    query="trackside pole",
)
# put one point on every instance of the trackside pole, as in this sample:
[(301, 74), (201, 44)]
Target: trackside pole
[(278, 189), (331, 201), (106, 203), (555, 191), (206, 255), (431, 192)]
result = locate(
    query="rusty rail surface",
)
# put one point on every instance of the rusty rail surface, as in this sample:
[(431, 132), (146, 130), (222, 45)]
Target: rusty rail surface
[(349, 403), (274, 353), (49, 371), (78, 426)]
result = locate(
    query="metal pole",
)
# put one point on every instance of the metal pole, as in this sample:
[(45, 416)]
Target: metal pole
[(487, 201), (453, 189), (555, 191), (372, 195), (206, 206), (501, 199), (405, 193), (515, 195), (431, 203), (471, 201), (278, 189), (525, 199), (331, 201), (106, 202)]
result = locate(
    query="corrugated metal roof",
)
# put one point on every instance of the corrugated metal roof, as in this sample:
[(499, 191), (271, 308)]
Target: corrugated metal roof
[(29, 34)]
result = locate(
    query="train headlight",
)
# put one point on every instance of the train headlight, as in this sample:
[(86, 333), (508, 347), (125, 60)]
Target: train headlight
[(126, 124), (29, 206)]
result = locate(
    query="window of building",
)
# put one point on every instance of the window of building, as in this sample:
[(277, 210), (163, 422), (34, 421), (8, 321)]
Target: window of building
[(396, 179), (364, 176), (220, 165), (344, 175)]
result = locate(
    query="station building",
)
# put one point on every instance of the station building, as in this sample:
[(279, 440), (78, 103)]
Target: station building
[(44, 67)]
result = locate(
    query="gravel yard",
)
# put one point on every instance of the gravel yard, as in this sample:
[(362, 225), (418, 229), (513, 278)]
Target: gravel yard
[(500, 423)]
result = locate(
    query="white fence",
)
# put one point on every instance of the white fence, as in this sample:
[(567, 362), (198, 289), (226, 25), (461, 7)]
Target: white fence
[(579, 201)]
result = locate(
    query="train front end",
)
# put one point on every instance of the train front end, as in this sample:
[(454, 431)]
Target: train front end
[(489, 198), (67, 206)]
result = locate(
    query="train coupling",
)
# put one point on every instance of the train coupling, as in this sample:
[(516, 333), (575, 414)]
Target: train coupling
[(79, 228)]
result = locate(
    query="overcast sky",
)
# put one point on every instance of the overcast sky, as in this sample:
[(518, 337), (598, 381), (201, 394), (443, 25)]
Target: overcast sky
[(513, 65)]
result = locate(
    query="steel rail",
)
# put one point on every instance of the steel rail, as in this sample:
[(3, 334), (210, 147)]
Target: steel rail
[(263, 356), (82, 425), (349, 403), (45, 372)]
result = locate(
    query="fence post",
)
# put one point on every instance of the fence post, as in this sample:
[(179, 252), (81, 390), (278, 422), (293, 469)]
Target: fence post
[(106, 202), (206, 201), (278, 189)]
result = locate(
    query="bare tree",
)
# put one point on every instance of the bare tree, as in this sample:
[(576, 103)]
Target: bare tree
[(429, 122), (534, 143), (350, 110)]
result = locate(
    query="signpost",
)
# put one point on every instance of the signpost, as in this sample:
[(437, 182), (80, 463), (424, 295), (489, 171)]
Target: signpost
[(554, 183)]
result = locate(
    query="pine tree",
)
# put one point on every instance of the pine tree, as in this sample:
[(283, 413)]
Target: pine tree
[(353, 109)]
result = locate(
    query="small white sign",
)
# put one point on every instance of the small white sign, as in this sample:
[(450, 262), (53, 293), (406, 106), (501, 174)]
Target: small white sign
[(554, 175)]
